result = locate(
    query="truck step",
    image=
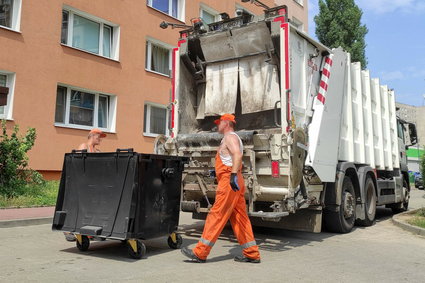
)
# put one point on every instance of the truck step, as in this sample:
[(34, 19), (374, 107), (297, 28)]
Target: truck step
[(268, 214)]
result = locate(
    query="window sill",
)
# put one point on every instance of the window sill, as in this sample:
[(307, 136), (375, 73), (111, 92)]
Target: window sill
[(84, 128), (158, 73), (88, 52), (11, 29), (168, 15), (5, 118), (152, 135)]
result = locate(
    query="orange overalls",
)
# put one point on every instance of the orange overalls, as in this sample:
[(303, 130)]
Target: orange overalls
[(228, 205)]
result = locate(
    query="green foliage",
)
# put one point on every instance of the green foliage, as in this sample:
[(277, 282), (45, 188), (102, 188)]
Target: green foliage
[(14, 171), (35, 195), (339, 24)]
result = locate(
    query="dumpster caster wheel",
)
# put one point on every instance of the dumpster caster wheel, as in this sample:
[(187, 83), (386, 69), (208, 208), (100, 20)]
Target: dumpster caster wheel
[(83, 243), (132, 245), (175, 243)]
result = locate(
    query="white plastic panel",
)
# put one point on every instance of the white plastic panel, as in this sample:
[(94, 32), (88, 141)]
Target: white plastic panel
[(393, 130), (386, 128), (378, 141), (357, 104), (368, 119), (323, 130), (346, 146)]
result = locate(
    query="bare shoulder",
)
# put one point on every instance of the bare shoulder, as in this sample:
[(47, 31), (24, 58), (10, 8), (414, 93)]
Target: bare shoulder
[(82, 146)]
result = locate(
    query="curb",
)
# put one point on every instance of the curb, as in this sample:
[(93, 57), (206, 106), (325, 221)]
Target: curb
[(25, 222), (406, 226)]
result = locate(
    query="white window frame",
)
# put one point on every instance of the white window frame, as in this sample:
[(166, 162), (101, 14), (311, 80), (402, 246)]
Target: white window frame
[(148, 133), (10, 83), (300, 2), (111, 111), (297, 23), (148, 55), (16, 17), (115, 32), (181, 8), (209, 10)]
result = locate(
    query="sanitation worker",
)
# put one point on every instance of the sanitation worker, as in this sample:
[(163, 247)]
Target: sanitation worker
[(94, 138), (229, 201)]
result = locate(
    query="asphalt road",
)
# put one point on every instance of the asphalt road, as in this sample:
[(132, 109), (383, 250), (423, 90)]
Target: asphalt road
[(381, 253)]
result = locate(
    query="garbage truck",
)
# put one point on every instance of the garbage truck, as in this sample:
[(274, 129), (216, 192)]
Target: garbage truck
[(322, 140)]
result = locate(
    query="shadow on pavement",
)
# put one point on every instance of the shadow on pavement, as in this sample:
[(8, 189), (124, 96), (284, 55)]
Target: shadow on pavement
[(115, 250)]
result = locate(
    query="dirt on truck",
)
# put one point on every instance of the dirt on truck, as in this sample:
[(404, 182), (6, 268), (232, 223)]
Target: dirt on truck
[(322, 141)]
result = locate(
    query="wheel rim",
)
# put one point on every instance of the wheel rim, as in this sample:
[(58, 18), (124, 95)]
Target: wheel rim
[(348, 205), (370, 201)]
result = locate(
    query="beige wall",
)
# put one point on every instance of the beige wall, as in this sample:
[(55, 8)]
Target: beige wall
[(414, 114), (297, 10), (41, 62)]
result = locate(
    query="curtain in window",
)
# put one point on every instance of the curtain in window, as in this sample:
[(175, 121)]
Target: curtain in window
[(102, 119), (86, 34), (207, 17), (107, 36), (64, 33), (3, 82), (6, 10), (174, 5), (82, 108), (60, 104), (158, 120), (160, 60)]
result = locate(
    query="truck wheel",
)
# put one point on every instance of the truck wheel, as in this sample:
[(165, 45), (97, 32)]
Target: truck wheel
[(342, 221), (403, 206), (370, 204)]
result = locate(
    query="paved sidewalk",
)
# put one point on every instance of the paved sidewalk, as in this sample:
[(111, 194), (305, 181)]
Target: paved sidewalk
[(26, 213)]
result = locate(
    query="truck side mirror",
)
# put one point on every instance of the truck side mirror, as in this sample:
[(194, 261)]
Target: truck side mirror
[(413, 134)]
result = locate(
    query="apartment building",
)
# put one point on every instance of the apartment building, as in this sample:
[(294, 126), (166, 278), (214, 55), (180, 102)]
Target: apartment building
[(74, 65)]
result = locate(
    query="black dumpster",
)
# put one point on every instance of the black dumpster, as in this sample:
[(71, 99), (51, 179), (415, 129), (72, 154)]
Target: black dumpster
[(120, 195)]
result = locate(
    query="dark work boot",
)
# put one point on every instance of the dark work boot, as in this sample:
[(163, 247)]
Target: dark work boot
[(189, 253), (241, 258)]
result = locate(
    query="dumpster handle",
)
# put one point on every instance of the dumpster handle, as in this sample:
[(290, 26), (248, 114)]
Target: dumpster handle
[(79, 151), (125, 150)]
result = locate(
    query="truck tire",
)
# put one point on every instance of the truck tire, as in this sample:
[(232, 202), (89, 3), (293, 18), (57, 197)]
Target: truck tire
[(370, 204), (342, 221), (403, 206)]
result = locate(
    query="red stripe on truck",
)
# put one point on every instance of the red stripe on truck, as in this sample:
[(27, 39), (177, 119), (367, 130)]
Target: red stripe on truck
[(324, 85), (328, 61), (321, 98), (326, 73)]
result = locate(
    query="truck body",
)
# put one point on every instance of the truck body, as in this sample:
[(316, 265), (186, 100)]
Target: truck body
[(322, 141)]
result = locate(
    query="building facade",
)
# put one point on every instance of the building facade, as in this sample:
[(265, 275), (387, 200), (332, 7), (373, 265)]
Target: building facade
[(74, 65)]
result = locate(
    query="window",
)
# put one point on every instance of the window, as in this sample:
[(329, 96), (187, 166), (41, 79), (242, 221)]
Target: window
[(155, 120), (240, 8), (78, 108), (89, 33), (208, 15), (301, 2), (10, 14), (173, 8), (158, 57), (297, 23), (7, 79)]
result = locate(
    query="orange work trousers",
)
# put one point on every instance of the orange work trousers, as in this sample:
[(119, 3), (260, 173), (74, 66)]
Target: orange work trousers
[(228, 205)]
